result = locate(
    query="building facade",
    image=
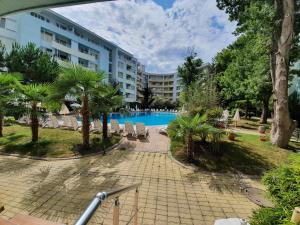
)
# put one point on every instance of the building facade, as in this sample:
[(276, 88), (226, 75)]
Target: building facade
[(166, 86), (67, 41)]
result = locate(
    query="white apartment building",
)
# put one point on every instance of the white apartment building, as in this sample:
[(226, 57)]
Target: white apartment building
[(166, 86), (68, 41)]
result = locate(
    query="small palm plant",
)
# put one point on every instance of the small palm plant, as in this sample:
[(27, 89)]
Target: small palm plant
[(104, 100), (187, 127), (9, 84), (81, 83), (32, 95)]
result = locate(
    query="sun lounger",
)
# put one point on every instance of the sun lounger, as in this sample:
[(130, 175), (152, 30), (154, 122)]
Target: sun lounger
[(129, 129), (97, 128), (163, 131), (115, 127), (24, 120), (141, 130), (74, 123), (70, 123), (53, 122)]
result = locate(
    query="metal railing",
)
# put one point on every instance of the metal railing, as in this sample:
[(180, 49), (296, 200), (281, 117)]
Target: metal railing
[(105, 196)]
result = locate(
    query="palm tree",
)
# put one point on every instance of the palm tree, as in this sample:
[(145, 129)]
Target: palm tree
[(104, 100), (8, 84), (79, 82), (32, 95), (187, 127), (147, 97)]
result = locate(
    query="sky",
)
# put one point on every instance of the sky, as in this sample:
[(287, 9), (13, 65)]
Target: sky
[(160, 33)]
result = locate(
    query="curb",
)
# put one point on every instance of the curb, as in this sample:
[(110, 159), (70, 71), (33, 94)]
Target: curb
[(61, 159)]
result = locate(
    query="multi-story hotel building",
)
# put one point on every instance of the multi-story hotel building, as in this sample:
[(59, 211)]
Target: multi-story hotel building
[(68, 41), (166, 86)]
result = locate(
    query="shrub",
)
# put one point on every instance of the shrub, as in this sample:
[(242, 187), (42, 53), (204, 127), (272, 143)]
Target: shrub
[(213, 115), (8, 121), (283, 186)]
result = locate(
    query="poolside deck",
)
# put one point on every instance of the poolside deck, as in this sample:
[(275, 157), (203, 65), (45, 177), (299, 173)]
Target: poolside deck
[(154, 143)]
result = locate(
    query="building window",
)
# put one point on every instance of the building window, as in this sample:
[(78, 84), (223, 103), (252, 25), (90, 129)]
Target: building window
[(83, 62), (2, 22), (120, 75), (121, 65), (62, 55), (46, 35), (63, 40), (110, 68)]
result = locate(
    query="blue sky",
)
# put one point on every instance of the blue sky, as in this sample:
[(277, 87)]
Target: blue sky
[(166, 4), (159, 33)]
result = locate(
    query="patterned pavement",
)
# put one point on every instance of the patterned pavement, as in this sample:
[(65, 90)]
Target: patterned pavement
[(170, 194)]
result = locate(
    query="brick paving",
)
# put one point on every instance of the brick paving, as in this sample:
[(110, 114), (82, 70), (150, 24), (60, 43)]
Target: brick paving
[(155, 142), (170, 194)]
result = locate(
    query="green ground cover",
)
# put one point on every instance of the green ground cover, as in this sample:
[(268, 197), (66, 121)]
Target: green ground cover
[(52, 143)]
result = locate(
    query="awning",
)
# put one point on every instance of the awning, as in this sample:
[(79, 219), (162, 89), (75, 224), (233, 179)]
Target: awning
[(11, 6)]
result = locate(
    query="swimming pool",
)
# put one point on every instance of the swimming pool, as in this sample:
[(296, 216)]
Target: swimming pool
[(148, 118)]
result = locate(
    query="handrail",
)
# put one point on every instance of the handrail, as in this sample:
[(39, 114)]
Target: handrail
[(101, 197)]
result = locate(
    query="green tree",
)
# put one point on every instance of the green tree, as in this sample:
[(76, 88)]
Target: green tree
[(243, 72), (191, 69), (2, 58), (32, 96), (103, 101), (187, 127), (81, 83), (276, 19), (147, 97), (9, 84), (35, 65)]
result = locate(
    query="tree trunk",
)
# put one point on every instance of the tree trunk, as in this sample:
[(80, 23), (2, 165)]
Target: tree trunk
[(105, 129), (1, 125), (34, 124), (282, 125), (189, 147), (265, 111), (85, 122)]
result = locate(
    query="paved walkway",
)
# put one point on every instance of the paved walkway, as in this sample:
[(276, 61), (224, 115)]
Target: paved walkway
[(170, 194), (155, 142)]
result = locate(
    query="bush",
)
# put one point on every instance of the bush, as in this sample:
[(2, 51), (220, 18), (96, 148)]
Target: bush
[(213, 115), (8, 121), (283, 186)]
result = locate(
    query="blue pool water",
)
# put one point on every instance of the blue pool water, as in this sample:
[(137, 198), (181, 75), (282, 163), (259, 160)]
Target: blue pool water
[(148, 118)]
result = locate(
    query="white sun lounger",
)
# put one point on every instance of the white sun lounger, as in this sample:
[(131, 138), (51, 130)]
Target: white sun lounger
[(141, 130), (98, 127), (24, 120), (53, 122), (129, 129), (115, 127)]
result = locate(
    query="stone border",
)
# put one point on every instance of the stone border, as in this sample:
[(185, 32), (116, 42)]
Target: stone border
[(66, 158)]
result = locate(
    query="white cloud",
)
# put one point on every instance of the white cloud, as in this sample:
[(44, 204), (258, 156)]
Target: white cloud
[(159, 38)]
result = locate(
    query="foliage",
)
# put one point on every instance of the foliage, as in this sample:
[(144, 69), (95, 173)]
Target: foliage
[(9, 85), (2, 58), (213, 115), (283, 186), (190, 70), (35, 65), (8, 121), (81, 83), (55, 143), (147, 99), (294, 105)]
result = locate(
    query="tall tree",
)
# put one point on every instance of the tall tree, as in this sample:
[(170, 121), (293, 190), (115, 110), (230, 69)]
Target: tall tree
[(147, 97), (275, 18), (2, 58), (9, 84), (103, 101), (80, 82), (32, 96), (190, 70), (243, 72), (35, 65)]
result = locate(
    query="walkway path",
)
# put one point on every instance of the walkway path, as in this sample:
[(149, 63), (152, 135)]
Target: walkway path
[(170, 194), (155, 142)]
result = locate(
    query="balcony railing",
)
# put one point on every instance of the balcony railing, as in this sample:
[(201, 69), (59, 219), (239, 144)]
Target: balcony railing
[(105, 196)]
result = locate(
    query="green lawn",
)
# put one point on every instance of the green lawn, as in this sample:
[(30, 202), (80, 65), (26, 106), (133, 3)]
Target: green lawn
[(52, 142), (247, 154)]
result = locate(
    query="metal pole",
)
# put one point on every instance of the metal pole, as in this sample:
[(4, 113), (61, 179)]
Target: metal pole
[(116, 212), (136, 207), (88, 213)]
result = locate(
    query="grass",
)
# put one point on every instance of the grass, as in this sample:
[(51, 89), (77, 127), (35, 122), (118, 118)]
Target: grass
[(55, 143), (247, 155)]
